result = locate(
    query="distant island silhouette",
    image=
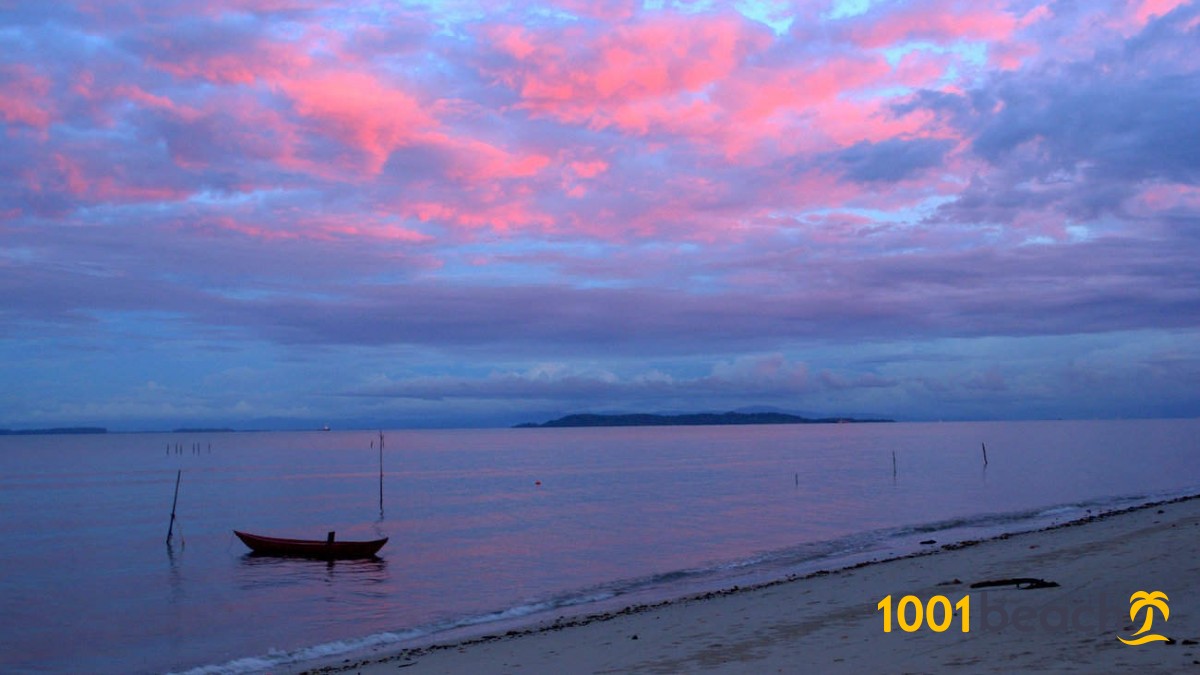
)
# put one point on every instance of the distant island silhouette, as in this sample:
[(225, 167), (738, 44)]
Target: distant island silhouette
[(56, 430), (694, 419)]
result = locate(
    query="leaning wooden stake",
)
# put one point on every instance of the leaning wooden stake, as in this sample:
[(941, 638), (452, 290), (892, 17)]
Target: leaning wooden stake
[(171, 529), (984, 446)]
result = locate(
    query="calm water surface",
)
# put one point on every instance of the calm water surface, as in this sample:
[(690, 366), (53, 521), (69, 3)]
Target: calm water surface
[(492, 527)]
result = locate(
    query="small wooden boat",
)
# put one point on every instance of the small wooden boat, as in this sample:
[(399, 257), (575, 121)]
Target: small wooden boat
[(326, 549)]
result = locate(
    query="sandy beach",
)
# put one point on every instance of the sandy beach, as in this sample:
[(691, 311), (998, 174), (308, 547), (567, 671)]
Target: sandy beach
[(830, 622)]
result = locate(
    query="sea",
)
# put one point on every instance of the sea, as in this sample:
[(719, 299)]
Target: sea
[(496, 529)]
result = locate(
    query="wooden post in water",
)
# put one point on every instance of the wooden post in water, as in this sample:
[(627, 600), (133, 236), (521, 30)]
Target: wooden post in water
[(984, 446), (171, 528), (381, 473), (893, 464)]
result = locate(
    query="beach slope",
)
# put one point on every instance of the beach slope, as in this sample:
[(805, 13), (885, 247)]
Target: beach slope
[(830, 623)]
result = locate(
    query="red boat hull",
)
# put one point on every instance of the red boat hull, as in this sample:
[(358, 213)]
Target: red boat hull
[(311, 548)]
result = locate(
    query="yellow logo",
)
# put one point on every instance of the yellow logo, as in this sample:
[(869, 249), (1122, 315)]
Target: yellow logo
[(1149, 602)]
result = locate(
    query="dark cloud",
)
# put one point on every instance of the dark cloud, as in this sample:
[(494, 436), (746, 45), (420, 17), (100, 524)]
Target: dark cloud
[(1081, 136), (1122, 128), (227, 279), (891, 160)]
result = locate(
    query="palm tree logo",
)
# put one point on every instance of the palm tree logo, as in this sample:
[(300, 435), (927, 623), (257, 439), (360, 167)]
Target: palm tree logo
[(1149, 602)]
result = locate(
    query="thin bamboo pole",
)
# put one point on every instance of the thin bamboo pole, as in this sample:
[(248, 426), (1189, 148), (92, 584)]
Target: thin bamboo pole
[(171, 528)]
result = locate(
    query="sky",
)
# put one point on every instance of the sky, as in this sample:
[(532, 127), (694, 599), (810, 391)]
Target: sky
[(281, 213)]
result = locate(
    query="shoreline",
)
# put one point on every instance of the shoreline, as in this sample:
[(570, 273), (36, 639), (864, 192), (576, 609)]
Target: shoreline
[(651, 637)]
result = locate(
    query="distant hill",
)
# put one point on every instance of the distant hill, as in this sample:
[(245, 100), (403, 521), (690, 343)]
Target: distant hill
[(59, 430), (695, 419)]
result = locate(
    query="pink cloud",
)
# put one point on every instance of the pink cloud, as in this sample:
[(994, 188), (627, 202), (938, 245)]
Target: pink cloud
[(516, 41), (700, 86), (1148, 9), (383, 232), (848, 122), (1170, 197), (920, 69), (940, 22), (72, 174), (88, 179), (362, 111), (670, 55), (632, 76), (502, 215), (285, 225), (761, 92), (589, 169), (24, 97), (240, 125), (1012, 55), (814, 190), (231, 224), (270, 6), (56, 174), (241, 68), (577, 174), (138, 95), (820, 105), (699, 209), (359, 116), (218, 53), (479, 162), (1039, 13), (370, 226)]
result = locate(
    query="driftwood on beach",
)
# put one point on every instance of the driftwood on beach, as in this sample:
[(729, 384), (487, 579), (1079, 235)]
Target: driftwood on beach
[(1019, 582)]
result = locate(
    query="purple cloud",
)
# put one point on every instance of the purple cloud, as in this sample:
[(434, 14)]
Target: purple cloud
[(928, 206)]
